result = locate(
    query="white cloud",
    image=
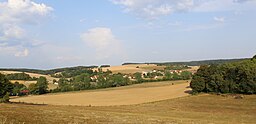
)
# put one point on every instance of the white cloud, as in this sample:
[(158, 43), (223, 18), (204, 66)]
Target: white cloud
[(103, 41), (219, 19), (22, 11), (153, 9), (12, 32), (15, 14), (22, 53)]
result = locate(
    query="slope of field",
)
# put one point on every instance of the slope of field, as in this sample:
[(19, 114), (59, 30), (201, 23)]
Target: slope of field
[(199, 109), (115, 96)]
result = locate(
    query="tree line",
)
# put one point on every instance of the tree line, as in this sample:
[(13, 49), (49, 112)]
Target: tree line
[(192, 63), (20, 76), (15, 89), (234, 77)]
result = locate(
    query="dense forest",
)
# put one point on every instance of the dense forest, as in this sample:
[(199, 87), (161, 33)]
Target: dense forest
[(234, 77)]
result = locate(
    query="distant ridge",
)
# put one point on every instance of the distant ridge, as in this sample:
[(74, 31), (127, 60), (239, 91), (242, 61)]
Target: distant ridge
[(193, 63), (47, 72), (189, 63)]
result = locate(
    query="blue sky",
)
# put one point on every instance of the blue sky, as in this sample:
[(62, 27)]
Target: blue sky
[(58, 33)]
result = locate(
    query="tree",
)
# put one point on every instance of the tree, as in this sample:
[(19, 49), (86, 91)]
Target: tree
[(185, 75), (138, 77), (32, 88), (101, 81), (167, 75), (18, 76), (18, 88), (5, 86), (118, 80), (82, 82), (41, 86), (197, 84), (176, 76), (235, 77), (254, 57)]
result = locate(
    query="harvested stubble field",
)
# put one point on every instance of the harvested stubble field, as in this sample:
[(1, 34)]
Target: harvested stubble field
[(199, 109), (135, 94)]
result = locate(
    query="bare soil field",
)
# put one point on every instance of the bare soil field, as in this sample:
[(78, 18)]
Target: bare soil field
[(137, 94), (198, 109)]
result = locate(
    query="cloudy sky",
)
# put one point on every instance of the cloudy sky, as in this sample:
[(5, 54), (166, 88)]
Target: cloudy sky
[(58, 33)]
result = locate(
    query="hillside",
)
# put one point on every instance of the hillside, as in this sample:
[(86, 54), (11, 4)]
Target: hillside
[(191, 109)]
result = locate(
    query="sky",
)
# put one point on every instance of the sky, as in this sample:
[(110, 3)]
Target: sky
[(45, 34)]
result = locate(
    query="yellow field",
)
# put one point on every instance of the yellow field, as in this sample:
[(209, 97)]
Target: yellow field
[(199, 109), (137, 94)]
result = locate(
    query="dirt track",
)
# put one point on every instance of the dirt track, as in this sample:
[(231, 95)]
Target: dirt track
[(122, 96)]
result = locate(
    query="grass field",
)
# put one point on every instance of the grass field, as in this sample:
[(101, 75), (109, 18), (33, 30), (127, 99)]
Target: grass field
[(135, 94), (200, 109)]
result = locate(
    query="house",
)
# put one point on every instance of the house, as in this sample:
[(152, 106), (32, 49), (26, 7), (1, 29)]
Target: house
[(93, 78), (24, 92)]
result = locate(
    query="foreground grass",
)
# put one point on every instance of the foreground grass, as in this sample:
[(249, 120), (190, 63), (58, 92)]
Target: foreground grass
[(192, 109)]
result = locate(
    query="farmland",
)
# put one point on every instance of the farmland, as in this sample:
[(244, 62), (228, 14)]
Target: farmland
[(202, 109), (133, 68), (145, 102)]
